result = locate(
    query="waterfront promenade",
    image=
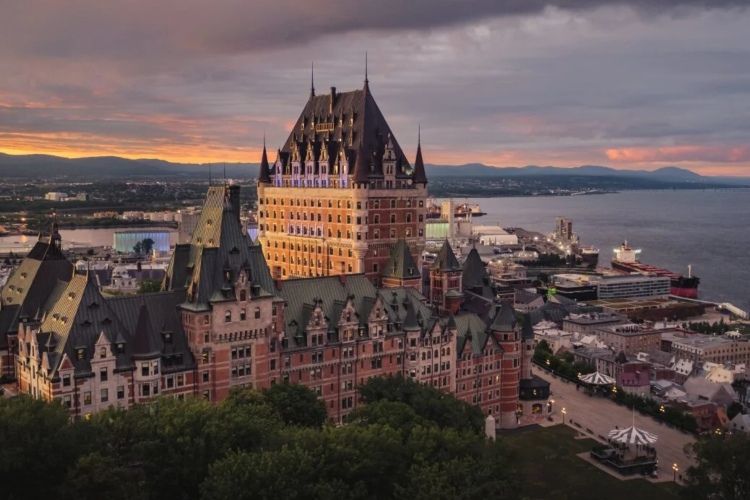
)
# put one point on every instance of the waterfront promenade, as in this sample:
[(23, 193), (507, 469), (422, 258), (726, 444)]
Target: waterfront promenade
[(600, 415)]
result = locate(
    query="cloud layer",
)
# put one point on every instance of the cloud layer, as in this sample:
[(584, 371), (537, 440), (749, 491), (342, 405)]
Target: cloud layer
[(510, 82)]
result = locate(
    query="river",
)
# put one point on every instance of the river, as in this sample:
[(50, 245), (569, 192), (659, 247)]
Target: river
[(708, 229)]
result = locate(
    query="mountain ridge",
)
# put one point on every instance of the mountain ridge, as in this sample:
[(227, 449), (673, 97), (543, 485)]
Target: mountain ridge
[(36, 165)]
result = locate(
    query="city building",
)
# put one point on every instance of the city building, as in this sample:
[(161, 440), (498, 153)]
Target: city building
[(701, 348), (633, 287), (56, 196), (125, 241), (629, 338), (589, 323), (341, 192), (222, 322)]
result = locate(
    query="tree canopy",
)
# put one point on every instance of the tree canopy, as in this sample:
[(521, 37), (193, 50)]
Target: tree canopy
[(721, 470), (408, 441)]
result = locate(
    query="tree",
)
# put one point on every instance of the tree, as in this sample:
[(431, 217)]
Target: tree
[(138, 247), (428, 402), (147, 245), (296, 405), (722, 470), (35, 443), (149, 286)]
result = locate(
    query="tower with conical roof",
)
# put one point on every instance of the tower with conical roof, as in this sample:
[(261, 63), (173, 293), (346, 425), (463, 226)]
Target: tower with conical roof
[(446, 289), (341, 192)]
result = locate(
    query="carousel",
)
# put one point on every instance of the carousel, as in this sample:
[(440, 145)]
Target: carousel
[(629, 451), (596, 382)]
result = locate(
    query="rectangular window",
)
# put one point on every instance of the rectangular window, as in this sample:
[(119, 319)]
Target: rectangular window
[(120, 392), (67, 402), (104, 396), (273, 364), (170, 382), (144, 369), (87, 398), (66, 380), (180, 380), (146, 390), (103, 375), (205, 376)]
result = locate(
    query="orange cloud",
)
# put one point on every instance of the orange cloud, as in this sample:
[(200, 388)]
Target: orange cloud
[(678, 154)]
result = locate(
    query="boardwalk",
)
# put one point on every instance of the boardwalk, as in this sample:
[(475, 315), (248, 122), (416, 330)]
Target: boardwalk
[(601, 415)]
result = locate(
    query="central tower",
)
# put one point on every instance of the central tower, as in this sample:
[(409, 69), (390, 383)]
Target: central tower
[(340, 193)]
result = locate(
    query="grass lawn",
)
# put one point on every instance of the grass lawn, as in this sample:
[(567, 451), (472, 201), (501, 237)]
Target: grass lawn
[(553, 471)]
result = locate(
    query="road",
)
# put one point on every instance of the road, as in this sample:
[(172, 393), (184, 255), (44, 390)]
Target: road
[(601, 415)]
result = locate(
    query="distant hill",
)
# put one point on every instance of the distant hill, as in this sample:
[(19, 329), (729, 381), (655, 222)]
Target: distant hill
[(31, 166)]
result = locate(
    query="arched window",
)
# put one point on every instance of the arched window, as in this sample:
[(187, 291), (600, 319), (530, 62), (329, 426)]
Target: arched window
[(228, 317), (257, 313), (243, 315)]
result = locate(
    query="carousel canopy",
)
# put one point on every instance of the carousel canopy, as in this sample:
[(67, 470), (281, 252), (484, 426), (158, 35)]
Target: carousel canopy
[(597, 378), (632, 435)]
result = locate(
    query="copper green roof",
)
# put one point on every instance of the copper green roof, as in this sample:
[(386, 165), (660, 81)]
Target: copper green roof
[(209, 266), (446, 260), (401, 264)]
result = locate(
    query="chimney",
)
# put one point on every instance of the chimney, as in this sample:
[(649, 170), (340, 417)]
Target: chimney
[(277, 282), (234, 198), (332, 102), (342, 279)]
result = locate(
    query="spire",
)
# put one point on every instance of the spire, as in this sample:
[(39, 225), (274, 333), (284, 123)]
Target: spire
[(264, 174), (420, 176), (367, 81), (312, 79)]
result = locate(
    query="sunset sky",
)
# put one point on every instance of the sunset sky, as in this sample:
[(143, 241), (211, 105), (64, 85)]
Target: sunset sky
[(502, 82)]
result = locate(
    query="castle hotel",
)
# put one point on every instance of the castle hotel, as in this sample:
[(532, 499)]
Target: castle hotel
[(329, 295)]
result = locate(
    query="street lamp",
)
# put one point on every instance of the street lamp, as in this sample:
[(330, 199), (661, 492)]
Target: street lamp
[(563, 413), (675, 469)]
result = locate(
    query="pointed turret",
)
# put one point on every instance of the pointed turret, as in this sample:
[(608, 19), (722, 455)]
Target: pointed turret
[(264, 174), (420, 176), (446, 260), (145, 345), (505, 318)]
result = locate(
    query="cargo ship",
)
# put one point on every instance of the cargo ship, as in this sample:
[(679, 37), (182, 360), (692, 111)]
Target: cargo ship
[(589, 255), (626, 261)]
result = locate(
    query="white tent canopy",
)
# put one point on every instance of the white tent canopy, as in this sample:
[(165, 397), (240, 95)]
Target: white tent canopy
[(597, 378), (632, 435)]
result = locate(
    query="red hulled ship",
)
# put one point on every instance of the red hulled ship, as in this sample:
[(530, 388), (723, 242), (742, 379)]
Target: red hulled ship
[(626, 261)]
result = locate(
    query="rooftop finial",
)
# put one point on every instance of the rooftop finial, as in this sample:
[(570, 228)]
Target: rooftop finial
[(312, 78), (209, 175), (419, 134), (225, 175), (366, 79)]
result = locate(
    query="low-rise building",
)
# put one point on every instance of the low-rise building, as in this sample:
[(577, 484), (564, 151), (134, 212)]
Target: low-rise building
[(589, 323), (633, 287), (629, 338)]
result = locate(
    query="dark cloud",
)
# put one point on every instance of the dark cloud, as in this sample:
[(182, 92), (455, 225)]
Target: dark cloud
[(149, 30)]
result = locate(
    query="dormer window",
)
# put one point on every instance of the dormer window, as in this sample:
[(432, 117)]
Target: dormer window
[(102, 352), (80, 353), (120, 347)]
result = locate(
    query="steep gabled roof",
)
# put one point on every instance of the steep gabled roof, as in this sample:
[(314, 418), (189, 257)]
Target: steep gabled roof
[(29, 285), (145, 343), (474, 271), (400, 263), (446, 260), (218, 252)]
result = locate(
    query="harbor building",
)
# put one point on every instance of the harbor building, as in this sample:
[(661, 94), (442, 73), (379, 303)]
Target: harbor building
[(341, 192), (633, 287)]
